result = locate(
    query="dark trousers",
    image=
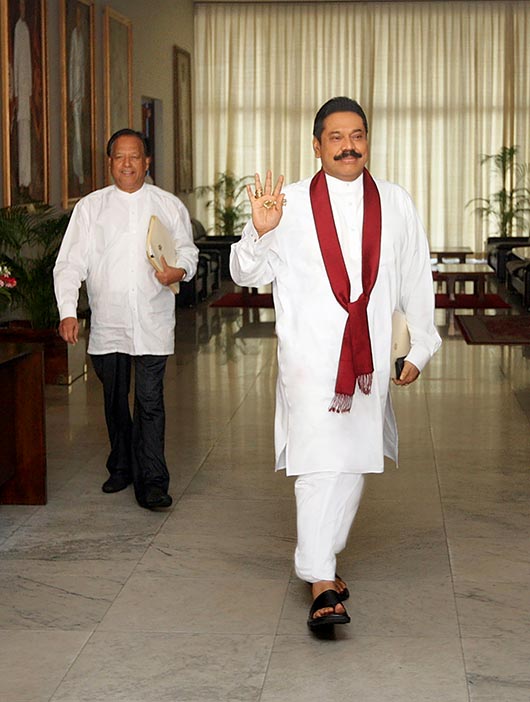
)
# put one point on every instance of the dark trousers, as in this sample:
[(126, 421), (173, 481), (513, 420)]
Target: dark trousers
[(137, 444)]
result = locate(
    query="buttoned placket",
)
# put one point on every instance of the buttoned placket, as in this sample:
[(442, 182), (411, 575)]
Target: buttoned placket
[(348, 199), (133, 267)]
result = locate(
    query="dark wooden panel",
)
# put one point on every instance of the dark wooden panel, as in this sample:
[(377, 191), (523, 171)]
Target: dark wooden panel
[(22, 426)]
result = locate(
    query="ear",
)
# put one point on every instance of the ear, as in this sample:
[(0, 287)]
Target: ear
[(147, 163), (316, 147)]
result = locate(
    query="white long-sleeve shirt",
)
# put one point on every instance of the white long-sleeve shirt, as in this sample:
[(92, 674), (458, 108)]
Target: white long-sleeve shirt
[(310, 323), (105, 244)]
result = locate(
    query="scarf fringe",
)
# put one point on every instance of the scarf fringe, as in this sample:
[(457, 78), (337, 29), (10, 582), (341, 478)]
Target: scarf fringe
[(365, 383), (341, 403)]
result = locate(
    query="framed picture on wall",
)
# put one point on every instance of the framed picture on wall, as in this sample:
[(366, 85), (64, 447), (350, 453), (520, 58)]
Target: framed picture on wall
[(78, 101), (117, 87), (182, 121), (25, 146)]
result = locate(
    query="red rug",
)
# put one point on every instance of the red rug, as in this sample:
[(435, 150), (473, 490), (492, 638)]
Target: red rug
[(480, 329), (238, 299), (471, 302)]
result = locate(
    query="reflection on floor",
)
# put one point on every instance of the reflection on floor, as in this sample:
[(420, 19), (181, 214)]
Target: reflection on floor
[(103, 601)]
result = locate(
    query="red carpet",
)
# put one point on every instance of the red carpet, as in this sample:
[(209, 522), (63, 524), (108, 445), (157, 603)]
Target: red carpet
[(479, 329), (471, 302), (239, 299)]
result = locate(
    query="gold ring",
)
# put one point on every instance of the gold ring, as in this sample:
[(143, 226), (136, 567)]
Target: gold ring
[(258, 193), (269, 204)]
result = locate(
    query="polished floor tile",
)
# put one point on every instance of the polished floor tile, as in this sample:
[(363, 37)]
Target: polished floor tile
[(160, 667), (102, 601)]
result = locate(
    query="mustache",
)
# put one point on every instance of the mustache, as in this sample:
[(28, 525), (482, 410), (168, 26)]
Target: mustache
[(348, 153)]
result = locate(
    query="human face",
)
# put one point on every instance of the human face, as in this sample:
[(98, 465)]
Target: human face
[(128, 163), (343, 145)]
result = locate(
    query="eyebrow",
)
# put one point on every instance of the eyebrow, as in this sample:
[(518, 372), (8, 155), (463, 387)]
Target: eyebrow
[(354, 131)]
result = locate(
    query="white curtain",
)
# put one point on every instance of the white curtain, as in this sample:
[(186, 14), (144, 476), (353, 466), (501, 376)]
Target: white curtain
[(441, 83)]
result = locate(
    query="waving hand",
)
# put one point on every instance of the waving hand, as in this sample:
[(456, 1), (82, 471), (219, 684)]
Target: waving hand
[(266, 203)]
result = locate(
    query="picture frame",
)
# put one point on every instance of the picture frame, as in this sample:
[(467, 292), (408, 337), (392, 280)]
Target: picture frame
[(25, 134), (78, 100), (117, 84), (182, 120)]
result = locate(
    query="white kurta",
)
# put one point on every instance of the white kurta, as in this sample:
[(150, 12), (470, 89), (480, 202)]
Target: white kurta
[(310, 324), (105, 244)]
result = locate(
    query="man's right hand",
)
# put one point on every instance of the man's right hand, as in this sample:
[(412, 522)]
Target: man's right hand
[(267, 208), (69, 330)]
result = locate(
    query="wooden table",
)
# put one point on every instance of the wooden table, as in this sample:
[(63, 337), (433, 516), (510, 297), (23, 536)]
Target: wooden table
[(459, 252), (478, 273), (22, 435)]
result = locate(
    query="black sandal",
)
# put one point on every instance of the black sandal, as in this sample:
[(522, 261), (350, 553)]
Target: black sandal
[(328, 598), (342, 595)]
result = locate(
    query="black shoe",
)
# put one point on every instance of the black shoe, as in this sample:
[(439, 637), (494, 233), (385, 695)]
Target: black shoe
[(116, 483), (156, 497)]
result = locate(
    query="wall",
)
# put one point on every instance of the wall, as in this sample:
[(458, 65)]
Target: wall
[(156, 28)]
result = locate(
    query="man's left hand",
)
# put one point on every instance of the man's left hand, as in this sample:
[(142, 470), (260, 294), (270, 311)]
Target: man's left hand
[(408, 375), (169, 275)]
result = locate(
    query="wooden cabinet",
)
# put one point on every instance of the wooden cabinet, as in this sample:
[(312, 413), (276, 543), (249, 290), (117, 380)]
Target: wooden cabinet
[(22, 425)]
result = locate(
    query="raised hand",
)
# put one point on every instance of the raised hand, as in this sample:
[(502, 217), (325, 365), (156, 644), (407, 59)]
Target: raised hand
[(266, 203)]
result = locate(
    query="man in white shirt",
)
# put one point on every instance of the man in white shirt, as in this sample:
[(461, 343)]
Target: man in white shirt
[(132, 309), (342, 252)]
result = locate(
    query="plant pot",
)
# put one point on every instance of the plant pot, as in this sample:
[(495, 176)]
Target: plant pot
[(63, 363)]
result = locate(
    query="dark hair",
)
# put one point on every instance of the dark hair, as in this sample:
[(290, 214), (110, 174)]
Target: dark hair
[(337, 104), (129, 132)]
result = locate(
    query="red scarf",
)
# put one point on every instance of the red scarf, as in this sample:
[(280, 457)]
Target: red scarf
[(355, 363)]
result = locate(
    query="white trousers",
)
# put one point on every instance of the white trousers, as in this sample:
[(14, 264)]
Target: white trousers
[(326, 505)]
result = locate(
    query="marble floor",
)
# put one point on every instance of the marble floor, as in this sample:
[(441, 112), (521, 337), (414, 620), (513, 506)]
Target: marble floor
[(102, 601)]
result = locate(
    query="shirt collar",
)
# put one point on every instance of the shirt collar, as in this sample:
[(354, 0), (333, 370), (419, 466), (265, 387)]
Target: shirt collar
[(131, 196), (343, 187)]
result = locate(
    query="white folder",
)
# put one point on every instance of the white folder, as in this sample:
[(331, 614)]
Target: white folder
[(160, 243), (400, 340)]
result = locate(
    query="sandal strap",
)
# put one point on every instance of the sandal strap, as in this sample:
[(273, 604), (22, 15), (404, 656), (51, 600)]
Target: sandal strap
[(328, 598)]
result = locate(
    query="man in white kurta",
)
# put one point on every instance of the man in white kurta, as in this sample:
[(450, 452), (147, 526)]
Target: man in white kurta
[(330, 451), (23, 86), (132, 309)]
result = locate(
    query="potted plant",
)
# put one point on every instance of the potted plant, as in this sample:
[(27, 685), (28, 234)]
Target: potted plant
[(507, 208), (229, 202), (30, 237)]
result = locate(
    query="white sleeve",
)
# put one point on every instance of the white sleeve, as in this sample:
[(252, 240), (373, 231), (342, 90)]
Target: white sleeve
[(417, 294), (187, 252), (252, 258), (71, 266)]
